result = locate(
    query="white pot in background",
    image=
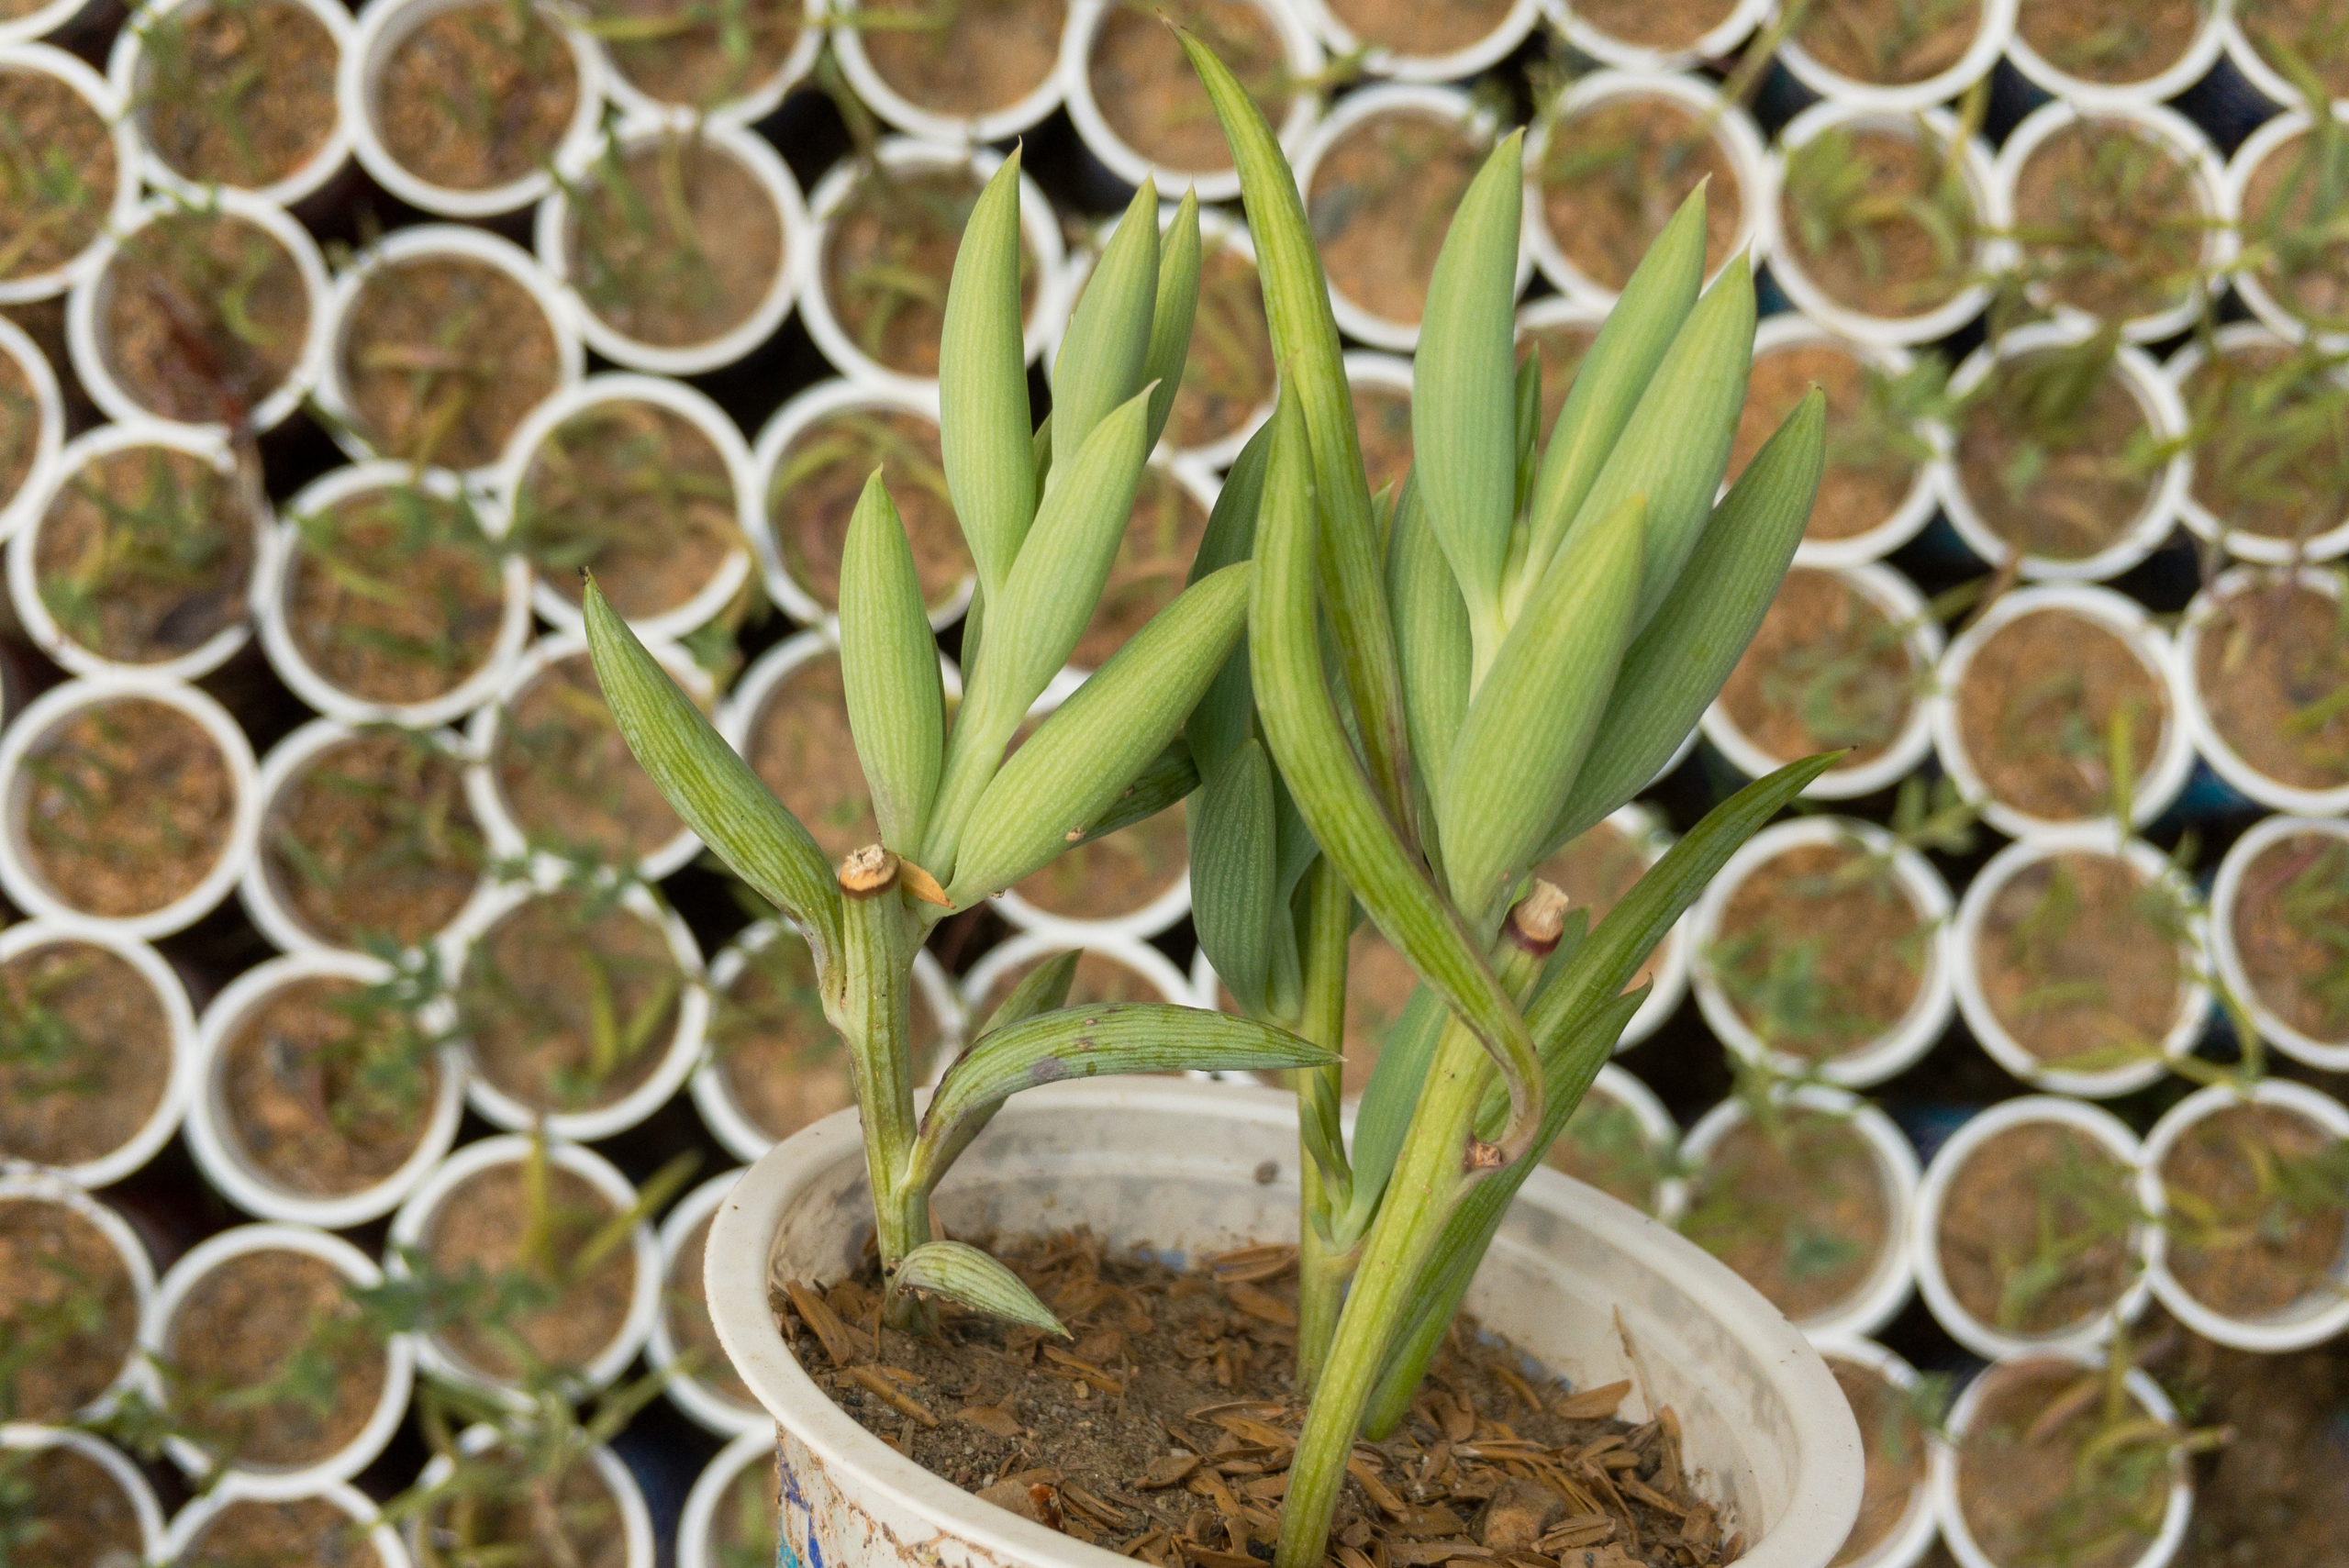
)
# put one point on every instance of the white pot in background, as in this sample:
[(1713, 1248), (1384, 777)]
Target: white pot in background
[(1453, 66), (635, 1525), (2263, 549), (2226, 892), (1645, 830), (2224, 759), (1657, 1123), (1913, 1536), (211, 1134), (27, 1183), (1996, 27), (1154, 967), (355, 1267), (42, 60), (2293, 123), (1722, 42), (757, 100), (2273, 84), (1987, 1340), (933, 125), (49, 437), (2189, 67), (696, 1530), (690, 1391), (116, 1463), (1199, 1167), (189, 1523)]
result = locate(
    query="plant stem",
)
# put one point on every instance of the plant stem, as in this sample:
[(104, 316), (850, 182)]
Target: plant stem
[(872, 1010), (1323, 1267)]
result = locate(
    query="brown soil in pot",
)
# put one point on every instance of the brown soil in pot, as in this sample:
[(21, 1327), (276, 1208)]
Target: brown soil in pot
[(2037, 709), (236, 92), (2292, 208), (1871, 462), (822, 474), (783, 1065), (2258, 1210), (1421, 28), (890, 254), (1894, 1441), (801, 747), (1151, 97), (2309, 30), (80, 1515), (2034, 1232), (1864, 246), (1606, 1145), (125, 806), (544, 987), (146, 554), (1662, 25), (69, 1311), (2068, 483), (965, 57), (88, 1053), (20, 421), (2272, 666), (327, 1089), (634, 493), (1802, 1215), (2271, 441), (1165, 1428), (1822, 950), (479, 1227), (477, 95), (2111, 221), (2080, 959), (1383, 426), (442, 356), (2289, 915), (1114, 876), (1889, 42), (1827, 669), (54, 201), (1229, 374), (566, 775), (2112, 41), (1564, 346), (304, 1532), (2016, 1475), (695, 54), (1596, 870), (241, 1328), (685, 1306), (674, 242), (395, 595), (1163, 533), (509, 1526), (202, 315), (1613, 173), (1381, 202), (373, 841)]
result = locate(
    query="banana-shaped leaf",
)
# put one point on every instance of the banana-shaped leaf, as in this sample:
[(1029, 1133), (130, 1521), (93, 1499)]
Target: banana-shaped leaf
[(1170, 322), (1073, 769), (1108, 335), (1463, 400), (1431, 637), (963, 1275), (1675, 667), (1227, 715), (1169, 777), (984, 434), (897, 704), (1235, 890), (711, 787)]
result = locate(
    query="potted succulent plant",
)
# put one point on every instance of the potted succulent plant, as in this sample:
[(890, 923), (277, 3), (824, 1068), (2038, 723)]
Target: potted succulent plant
[(190, 71), (2267, 420), (1453, 1126), (2281, 893), (76, 1280)]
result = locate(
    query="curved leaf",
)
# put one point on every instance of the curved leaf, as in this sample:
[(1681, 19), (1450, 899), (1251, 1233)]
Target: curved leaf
[(984, 434), (896, 699), (1170, 323), (1099, 364), (1235, 890), (963, 1274)]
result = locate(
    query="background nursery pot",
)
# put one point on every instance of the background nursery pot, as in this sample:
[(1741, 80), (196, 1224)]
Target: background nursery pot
[(25, 466), (85, 123), (2266, 482), (1759, 1414), (705, 1389), (1882, 1381), (627, 1498), (53, 1235), (1422, 43), (329, 1512), (2270, 688), (1636, 35), (1020, 41), (1926, 74), (109, 1492), (675, 68), (733, 1505), (2270, 955), (2118, 81), (2304, 304)]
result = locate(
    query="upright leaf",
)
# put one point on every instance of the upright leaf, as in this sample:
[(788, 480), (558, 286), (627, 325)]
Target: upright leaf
[(1225, 715), (1109, 336), (1235, 890), (896, 702), (984, 432), (1178, 301), (1431, 639)]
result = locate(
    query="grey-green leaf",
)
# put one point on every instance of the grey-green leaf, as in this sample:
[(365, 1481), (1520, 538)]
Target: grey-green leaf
[(1431, 639), (984, 435), (1178, 300), (1165, 780), (1227, 714), (1235, 887), (1101, 357), (963, 1275), (1043, 989), (896, 702)]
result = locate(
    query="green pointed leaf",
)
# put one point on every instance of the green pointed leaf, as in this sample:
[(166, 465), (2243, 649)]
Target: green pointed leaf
[(985, 435), (1167, 779), (1074, 766), (897, 702), (1464, 397), (1179, 262), (1431, 637), (1674, 668), (1528, 427), (1042, 989), (1235, 889), (711, 787), (1227, 714), (1101, 357), (963, 1275), (1388, 1101), (1533, 720)]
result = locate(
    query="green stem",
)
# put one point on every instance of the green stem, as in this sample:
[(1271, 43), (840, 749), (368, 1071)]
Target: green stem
[(872, 1009), (1323, 1267)]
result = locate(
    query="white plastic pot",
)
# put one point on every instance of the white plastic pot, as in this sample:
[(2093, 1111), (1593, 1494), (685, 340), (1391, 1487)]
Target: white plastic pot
[(42, 60), (2124, 618), (1974, 1003), (1663, 1134), (49, 437), (756, 101), (698, 1525), (179, 1019), (2316, 1318), (677, 1056), (635, 1525), (1974, 168), (1445, 104), (1987, 1340), (433, 241), (2165, 421), (2269, 137), (1951, 1514), (689, 1392), (1729, 127), (1171, 984), (1909, 1540), (2273, 84), (695, 409), (1622, 54), (2189, 67), (728, 1122), (2167, 130), (1647, 832), (1128, 163), (1899, 1048), (25, 887), (37, 1184), (1039, 227), (384, 24), (2224, 759), (274, 597), (931, 125), (1453, 66), (1196, 1167), (2263, 549), (209, 445), (757, 156), (129, 53), (1996, 29), (1880, 1298), (1901, 605), (361, 1510), (212, 1136), (412, 1230), (54, 17), (507, 837), (823, 401), (2226, 892), (116, 1464), (353, 1266)]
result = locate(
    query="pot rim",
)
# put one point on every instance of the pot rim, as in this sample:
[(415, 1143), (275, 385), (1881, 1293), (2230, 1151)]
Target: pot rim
[(2201, 53), (41, 1183), (635, 1519), (1916, 1530), (2272, 83), (2225, 760), (18, 509), (48, 60), (933, 125), (391, 1551), (2262, 549), (2293, 121), (2226, 890), (700, 1516), (689, 1392), (1451, 66), (1721, 42), (1990, 41), (755, 103), (112, 1459)]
